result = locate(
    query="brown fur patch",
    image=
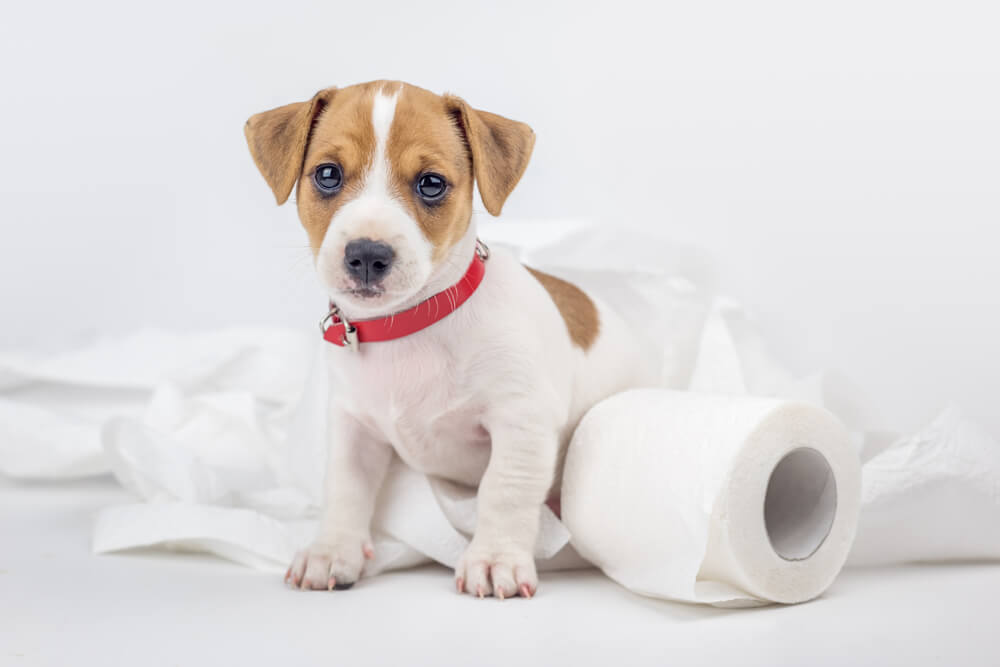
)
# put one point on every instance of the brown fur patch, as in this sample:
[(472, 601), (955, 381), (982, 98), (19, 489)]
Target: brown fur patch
[(578, 311), (500, 150), (423, 138), (341, 134), (278, 139)]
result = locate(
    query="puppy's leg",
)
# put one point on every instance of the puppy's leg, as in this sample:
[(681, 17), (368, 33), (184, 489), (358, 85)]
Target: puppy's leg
[(499, 560), (356, 466)]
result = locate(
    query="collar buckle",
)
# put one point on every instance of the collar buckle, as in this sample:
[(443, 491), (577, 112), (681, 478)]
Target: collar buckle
[(335, 323), (482, 250)]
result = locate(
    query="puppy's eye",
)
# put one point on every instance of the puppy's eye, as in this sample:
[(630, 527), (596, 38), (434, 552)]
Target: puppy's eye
[(328, 178), (431, 187)]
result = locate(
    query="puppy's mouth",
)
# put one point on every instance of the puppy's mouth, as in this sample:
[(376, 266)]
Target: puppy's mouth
[(369, 300), (366, 292)]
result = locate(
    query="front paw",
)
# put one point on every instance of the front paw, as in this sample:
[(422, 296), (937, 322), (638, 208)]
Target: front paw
[(330, 564), (503, 571)]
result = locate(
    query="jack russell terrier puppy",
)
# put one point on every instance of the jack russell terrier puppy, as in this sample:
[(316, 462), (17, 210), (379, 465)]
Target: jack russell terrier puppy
[(462, 362)]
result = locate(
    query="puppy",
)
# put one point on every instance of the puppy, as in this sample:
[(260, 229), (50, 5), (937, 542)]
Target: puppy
[(486, 394)]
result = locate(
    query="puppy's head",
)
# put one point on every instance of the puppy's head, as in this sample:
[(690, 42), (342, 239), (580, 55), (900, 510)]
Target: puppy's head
[(385, 173)]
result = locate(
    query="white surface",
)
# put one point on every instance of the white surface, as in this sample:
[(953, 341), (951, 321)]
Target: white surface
[(61, 605), (841, 161)]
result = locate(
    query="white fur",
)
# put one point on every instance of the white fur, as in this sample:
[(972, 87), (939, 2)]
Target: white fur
[(488, 396)]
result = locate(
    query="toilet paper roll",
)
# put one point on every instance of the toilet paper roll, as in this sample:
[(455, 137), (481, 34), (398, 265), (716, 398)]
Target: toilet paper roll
[(724, 500)]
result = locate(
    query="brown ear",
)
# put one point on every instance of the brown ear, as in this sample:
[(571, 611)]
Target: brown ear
[(278, 140), (500, 150)]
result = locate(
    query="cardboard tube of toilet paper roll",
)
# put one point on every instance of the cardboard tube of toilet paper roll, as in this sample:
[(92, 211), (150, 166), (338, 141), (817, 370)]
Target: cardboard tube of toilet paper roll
[(727, 500)]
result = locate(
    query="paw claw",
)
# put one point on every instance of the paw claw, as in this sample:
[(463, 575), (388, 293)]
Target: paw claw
[(325, 564), (500, 571)]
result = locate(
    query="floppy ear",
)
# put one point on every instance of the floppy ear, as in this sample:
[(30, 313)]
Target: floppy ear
[(500, 150), (278, 140)]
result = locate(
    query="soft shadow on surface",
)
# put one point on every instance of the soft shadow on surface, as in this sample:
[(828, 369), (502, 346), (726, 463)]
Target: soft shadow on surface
[(104, 482), (179, 556), (585, 589), (600, 590)]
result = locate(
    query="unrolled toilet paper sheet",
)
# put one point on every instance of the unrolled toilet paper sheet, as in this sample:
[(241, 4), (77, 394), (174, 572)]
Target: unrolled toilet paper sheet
[(220, 435)]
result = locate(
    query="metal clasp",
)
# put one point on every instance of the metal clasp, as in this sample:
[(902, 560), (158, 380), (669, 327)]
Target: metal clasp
[(482, 250), (350, 331)]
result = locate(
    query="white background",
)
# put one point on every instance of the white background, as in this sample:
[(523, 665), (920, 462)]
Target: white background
[(840, 160)]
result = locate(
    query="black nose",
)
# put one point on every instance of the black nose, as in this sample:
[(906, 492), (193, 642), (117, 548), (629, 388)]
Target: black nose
[(368, 261)]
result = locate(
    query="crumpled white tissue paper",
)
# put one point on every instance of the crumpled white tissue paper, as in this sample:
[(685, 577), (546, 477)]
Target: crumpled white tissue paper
[(220, 435)]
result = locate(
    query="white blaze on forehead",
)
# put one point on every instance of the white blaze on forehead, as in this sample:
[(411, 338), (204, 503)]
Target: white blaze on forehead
[(383, 111)]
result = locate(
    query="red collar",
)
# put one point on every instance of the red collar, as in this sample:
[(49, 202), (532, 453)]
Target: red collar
[(337, 330)]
